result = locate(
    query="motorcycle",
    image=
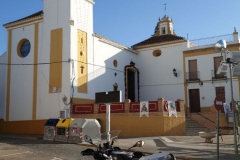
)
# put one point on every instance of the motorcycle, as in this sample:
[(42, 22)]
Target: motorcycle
[(105, 150)]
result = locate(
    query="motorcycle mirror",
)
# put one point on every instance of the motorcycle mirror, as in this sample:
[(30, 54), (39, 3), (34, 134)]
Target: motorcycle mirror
[(87, 139), (113, 140), (138, 144)]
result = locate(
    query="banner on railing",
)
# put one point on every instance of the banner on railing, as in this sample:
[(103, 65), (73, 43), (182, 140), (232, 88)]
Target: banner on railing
[(226, 107), (172, 109), (144, 109)]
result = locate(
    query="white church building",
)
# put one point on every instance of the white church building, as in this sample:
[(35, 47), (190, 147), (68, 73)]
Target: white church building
[(53, 59)]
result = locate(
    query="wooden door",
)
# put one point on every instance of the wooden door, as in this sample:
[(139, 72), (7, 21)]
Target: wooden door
[(194, 100)]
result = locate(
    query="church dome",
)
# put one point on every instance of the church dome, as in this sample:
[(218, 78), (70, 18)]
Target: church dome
[(166, 18)]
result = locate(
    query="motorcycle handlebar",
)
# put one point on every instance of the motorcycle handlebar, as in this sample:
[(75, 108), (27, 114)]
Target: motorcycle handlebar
[(87, 152)]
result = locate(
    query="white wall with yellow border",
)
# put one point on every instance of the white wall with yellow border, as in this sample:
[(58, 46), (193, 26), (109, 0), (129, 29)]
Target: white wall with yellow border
[(156, 73)]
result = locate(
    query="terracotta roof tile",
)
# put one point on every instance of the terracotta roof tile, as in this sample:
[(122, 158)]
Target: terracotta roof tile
[(37, 14), (159, 39)]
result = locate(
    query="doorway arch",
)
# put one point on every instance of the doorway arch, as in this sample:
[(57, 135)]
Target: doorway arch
[(131, 79)]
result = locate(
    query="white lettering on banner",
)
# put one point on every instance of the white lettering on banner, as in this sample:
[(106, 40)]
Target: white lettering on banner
[(219, 102)]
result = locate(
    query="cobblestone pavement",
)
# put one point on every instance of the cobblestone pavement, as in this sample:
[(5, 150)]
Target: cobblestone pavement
[(36, 149), (14, 147)]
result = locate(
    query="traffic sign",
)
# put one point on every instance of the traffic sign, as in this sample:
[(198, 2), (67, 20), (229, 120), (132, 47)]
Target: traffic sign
[(218, 103)]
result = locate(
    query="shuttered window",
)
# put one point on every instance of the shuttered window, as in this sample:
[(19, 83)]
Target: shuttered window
[(193, 72)]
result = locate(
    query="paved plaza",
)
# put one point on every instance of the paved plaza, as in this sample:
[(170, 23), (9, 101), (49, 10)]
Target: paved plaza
[(183, 147)]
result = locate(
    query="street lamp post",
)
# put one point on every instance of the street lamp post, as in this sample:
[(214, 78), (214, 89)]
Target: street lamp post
[(233, 108), (222, 47)]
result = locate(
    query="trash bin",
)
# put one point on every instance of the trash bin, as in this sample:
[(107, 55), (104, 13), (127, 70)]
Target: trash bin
[(50, 129), (80, 127), (62, 129)]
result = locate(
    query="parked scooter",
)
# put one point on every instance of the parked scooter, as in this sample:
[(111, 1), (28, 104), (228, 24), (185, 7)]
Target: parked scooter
[(107, 151)]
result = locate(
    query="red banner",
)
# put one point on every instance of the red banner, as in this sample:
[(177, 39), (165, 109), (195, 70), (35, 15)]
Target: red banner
[(134, 107), (115, 108), (153, 106), (83, 109)]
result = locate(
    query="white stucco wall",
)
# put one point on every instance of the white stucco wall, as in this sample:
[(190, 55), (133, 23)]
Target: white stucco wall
[(21, 82), (156, 73), (50, 104), (100, 54), (101, 71), (3, 84), (205, 64)]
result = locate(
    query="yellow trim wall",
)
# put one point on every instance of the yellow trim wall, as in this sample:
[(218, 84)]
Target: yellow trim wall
[(132, 125), (22, 127), (9, 73), (55, 74), (35, 72), (82, 62)]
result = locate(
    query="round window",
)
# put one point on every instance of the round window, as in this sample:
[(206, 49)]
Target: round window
[(24, 48), (115, 63), (157, 53)]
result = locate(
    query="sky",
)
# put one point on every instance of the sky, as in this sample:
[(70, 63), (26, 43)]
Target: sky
[(131, 21)]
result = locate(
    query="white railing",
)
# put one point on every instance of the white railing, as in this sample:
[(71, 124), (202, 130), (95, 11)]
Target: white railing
[(210, 40)]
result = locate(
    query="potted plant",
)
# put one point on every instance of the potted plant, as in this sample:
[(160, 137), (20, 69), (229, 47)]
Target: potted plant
[(208, 135)]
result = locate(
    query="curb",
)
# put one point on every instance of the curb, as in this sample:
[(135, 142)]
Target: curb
[(21, 137)]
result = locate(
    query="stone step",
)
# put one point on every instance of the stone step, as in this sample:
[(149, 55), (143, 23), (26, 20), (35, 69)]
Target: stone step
[(192, 127)]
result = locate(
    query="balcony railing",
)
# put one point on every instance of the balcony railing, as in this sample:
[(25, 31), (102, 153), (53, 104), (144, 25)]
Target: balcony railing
[(192, 76), (209, 40), (218, 77)]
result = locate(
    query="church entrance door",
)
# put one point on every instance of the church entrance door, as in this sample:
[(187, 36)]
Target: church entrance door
[(131, 85)]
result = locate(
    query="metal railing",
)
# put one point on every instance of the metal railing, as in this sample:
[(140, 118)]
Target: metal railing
[(217, 76), (209, 40), (192, 76), (205, 117)]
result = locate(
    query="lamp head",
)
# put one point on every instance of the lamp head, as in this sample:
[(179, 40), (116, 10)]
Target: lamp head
[(220, 45), (174, 72)]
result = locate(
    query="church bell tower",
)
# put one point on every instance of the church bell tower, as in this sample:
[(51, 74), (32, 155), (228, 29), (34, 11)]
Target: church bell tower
[(164, 27)]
